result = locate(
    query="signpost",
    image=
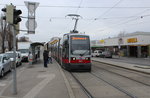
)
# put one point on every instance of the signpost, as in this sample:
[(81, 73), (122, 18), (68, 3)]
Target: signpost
[(31, 23), (120, 41)]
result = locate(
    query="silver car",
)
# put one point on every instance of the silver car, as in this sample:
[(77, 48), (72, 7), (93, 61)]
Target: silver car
[(106, 54), (10, 54), (5, 64)]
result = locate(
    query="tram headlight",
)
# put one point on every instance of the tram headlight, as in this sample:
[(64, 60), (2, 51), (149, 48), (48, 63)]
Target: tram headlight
[(87, 58), (73, 58)]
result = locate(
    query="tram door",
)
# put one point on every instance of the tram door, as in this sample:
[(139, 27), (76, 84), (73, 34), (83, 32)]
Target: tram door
[(65, 50)]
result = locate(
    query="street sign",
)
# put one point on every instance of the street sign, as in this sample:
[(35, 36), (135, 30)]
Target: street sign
[(31, 25), (31, 6)]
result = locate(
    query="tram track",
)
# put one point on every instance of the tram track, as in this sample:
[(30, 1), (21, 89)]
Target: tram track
[(108, 74), (115, 86), (111, 77), (124, 75), (89, 95), (87, 92)]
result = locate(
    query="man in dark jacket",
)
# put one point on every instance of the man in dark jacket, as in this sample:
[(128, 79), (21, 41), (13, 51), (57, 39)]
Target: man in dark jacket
[(45, 57)]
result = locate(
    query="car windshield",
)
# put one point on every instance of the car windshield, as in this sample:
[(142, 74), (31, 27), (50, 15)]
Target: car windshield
[(11, 55), (23, 50)]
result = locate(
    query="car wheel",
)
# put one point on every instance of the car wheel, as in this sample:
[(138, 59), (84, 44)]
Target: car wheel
[(2, 73)]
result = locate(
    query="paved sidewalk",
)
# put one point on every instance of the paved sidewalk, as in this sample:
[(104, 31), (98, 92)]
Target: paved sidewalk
[(132, 60), (136, 67), (39, 82)]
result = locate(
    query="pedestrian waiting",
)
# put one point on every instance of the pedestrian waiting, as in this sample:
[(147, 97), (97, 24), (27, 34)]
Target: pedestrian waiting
[(45, 58)]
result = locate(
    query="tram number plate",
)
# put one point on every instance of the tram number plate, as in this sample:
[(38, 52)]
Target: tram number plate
[(80, 60)]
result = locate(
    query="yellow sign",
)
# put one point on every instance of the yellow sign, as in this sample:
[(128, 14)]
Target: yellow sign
[(102, 41), (132, 40), (53, 42), (79, 38)]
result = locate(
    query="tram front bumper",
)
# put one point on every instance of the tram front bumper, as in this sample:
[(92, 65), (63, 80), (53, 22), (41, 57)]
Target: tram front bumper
[(78, 66)]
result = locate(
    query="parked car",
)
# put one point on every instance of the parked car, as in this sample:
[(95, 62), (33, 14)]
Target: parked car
[(10, 54), (106, 54), (24, 54), (96, 53), (5, 64)]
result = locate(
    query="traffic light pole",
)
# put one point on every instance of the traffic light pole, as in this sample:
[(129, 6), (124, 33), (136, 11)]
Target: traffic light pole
[(14, 73), (12, 17)]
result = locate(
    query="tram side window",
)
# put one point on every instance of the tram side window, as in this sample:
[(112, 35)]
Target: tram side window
[(65, 49)]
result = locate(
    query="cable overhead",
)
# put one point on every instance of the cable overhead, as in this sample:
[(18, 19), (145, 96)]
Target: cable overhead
[(79, 6), (104, 12), (90, 7), (129, 20), (110, 8)]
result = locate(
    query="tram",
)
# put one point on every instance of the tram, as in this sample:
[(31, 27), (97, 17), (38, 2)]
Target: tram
[(72, 52)]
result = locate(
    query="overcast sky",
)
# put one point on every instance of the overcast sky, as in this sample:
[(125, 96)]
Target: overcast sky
[(100, 18)]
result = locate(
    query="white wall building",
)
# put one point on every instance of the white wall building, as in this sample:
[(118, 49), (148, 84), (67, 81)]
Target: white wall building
[(135, 44)]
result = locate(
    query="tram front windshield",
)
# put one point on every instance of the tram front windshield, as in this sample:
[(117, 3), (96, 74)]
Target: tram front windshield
[(80, 45)]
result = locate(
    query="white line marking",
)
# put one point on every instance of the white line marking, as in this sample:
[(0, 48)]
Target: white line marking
[(6, 97), (34, 91), (2, 84)]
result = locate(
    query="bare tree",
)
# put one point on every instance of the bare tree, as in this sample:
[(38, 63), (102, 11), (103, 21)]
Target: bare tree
[(9, 37), (121, 34), (3, 25)]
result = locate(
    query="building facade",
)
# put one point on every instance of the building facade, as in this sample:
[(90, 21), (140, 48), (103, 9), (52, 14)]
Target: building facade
[(132, 45)]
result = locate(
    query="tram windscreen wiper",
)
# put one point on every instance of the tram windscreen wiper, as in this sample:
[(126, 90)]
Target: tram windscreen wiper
[(84, 53)]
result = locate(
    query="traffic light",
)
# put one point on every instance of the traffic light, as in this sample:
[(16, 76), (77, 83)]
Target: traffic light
[(16, 18), (8, 13), (4, 10)]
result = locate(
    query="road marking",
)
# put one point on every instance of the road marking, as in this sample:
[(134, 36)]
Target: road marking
[(2, 84), (34, 91), (6, 97)]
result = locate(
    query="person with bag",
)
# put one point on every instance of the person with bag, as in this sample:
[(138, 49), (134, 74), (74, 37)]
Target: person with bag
[(50, 57)]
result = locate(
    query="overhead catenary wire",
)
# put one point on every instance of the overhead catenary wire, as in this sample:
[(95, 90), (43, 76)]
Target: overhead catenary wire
[(122, 22), (104, 18), (79, 6), (110, 9), (89, 7), (103, 13)]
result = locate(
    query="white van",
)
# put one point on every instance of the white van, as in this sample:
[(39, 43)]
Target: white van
[(96, 53)]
